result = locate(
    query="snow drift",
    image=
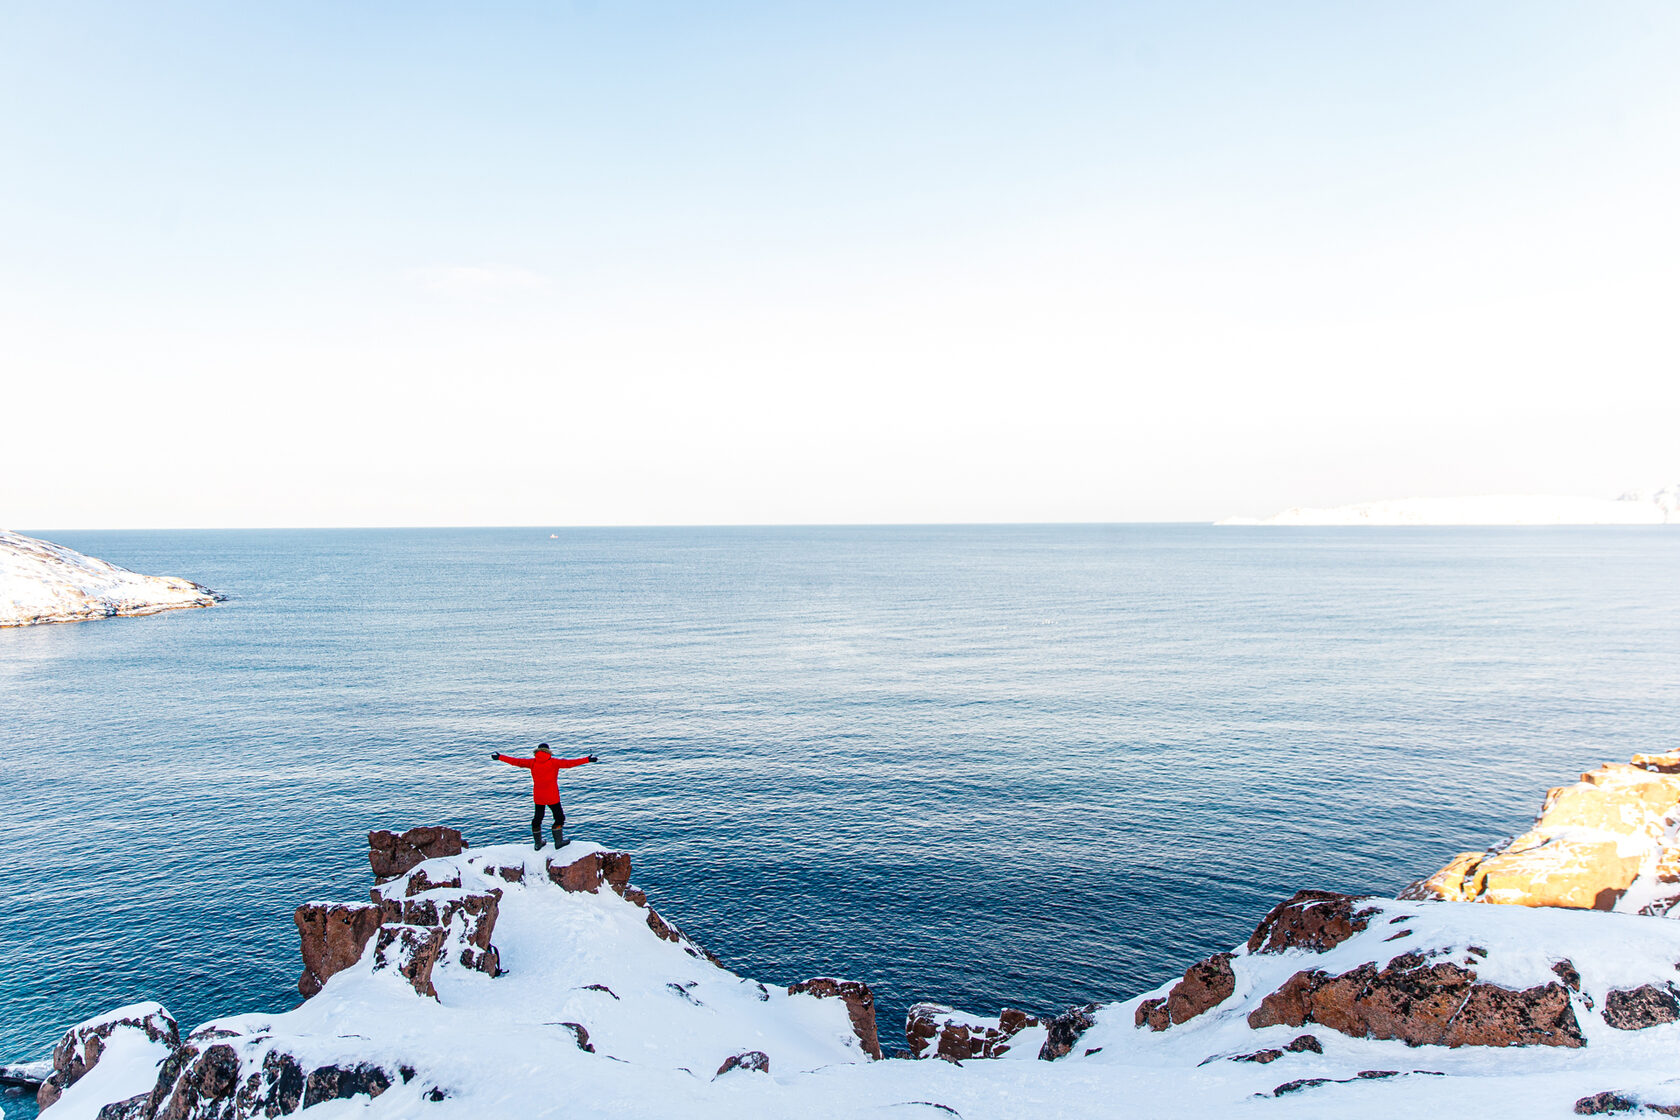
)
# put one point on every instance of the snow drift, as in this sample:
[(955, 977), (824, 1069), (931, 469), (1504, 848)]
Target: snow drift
[(43, 582)]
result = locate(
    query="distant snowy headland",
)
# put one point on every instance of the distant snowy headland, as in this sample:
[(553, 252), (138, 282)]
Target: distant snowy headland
[(1637, 507), (44, 582)]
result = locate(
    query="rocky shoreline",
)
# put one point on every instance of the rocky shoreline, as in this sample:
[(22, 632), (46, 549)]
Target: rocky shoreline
[(423, 998)]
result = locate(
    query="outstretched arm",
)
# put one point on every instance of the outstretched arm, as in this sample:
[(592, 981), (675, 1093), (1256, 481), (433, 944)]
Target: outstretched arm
[(568, 763), (522, 763)]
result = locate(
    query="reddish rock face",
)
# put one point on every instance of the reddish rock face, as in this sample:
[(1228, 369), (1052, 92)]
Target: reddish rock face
[(391, 854), (1423, 1004), (418, 933), (413, 951), (420, 882), (860, 1006), (1205, 985), (587, 873), (1311, 920), (660, 927), (332, 938), (1634, 1009), (756, 1061)]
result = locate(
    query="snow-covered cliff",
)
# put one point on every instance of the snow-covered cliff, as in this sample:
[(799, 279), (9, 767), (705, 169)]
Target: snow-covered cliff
[(1637, 507), (45, 582), (507, 983)]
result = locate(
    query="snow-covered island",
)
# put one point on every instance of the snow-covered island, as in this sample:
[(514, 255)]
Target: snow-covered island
[(1538, 979), (44, 582), (1637, 507)]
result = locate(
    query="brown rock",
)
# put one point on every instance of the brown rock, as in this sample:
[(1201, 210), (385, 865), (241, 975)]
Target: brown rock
[(1422, 1004), (1633, 1009), (420, 881), (193, 1084), (1260, 1057), (1313, 920), (392, 854), (933, 1029), (1065, 1031), (1601, 1103), (413, 951), (275, 1090), (331, 938), (1152, 1013), (660, 927), (860, 1006), (755, 1061), (1206, 984), (615, 868), (337, 1083), (588, 872), (580, 1036)]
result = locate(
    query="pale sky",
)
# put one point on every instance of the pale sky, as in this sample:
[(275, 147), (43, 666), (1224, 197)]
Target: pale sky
[(631, 263)]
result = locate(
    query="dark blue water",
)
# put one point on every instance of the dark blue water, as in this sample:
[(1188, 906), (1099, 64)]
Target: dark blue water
[(1021, 766)]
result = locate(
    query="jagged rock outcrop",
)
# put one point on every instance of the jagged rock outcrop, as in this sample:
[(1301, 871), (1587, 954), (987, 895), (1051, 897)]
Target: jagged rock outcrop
[(1609, 842), (860, 1006), (1205, 985), (1607, 1104), (588, 872), (332, 937), (1316, 921), (937, 1031), (225, 1081), (84, 1044), (1064, 1031), (1423, 1004), (417, 933), (414, 920), (1648, 1005), (753, 1061), (391, 854)]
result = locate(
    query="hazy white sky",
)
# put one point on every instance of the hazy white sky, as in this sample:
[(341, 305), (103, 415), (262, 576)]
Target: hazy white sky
[(619, 263)]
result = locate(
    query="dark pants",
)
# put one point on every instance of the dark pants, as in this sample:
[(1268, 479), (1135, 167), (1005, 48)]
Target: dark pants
[(559, 817)]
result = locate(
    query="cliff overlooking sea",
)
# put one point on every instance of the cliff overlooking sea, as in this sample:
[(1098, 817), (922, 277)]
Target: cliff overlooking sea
[(983, 768), (496, 981)]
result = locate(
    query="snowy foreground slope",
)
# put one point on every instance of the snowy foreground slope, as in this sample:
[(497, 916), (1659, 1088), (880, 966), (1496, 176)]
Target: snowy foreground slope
[(1652, 507), (507, 983), (44, 582)]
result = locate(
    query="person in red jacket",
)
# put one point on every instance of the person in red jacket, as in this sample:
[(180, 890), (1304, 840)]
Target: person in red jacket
[(545, 791)]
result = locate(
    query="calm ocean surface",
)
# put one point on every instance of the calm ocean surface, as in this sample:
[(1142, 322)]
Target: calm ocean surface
[(1005, 765)]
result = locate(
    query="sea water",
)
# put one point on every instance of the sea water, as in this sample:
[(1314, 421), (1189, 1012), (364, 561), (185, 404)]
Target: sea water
[(989, 766)]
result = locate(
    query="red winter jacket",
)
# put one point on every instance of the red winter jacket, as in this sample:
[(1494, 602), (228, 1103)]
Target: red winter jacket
[(544, 789)]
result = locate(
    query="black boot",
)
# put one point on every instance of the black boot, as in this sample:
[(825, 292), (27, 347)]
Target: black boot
[(536, 836), (559, 836)]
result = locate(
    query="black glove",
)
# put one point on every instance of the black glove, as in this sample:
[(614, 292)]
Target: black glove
[(592, 758), (497, 757)]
